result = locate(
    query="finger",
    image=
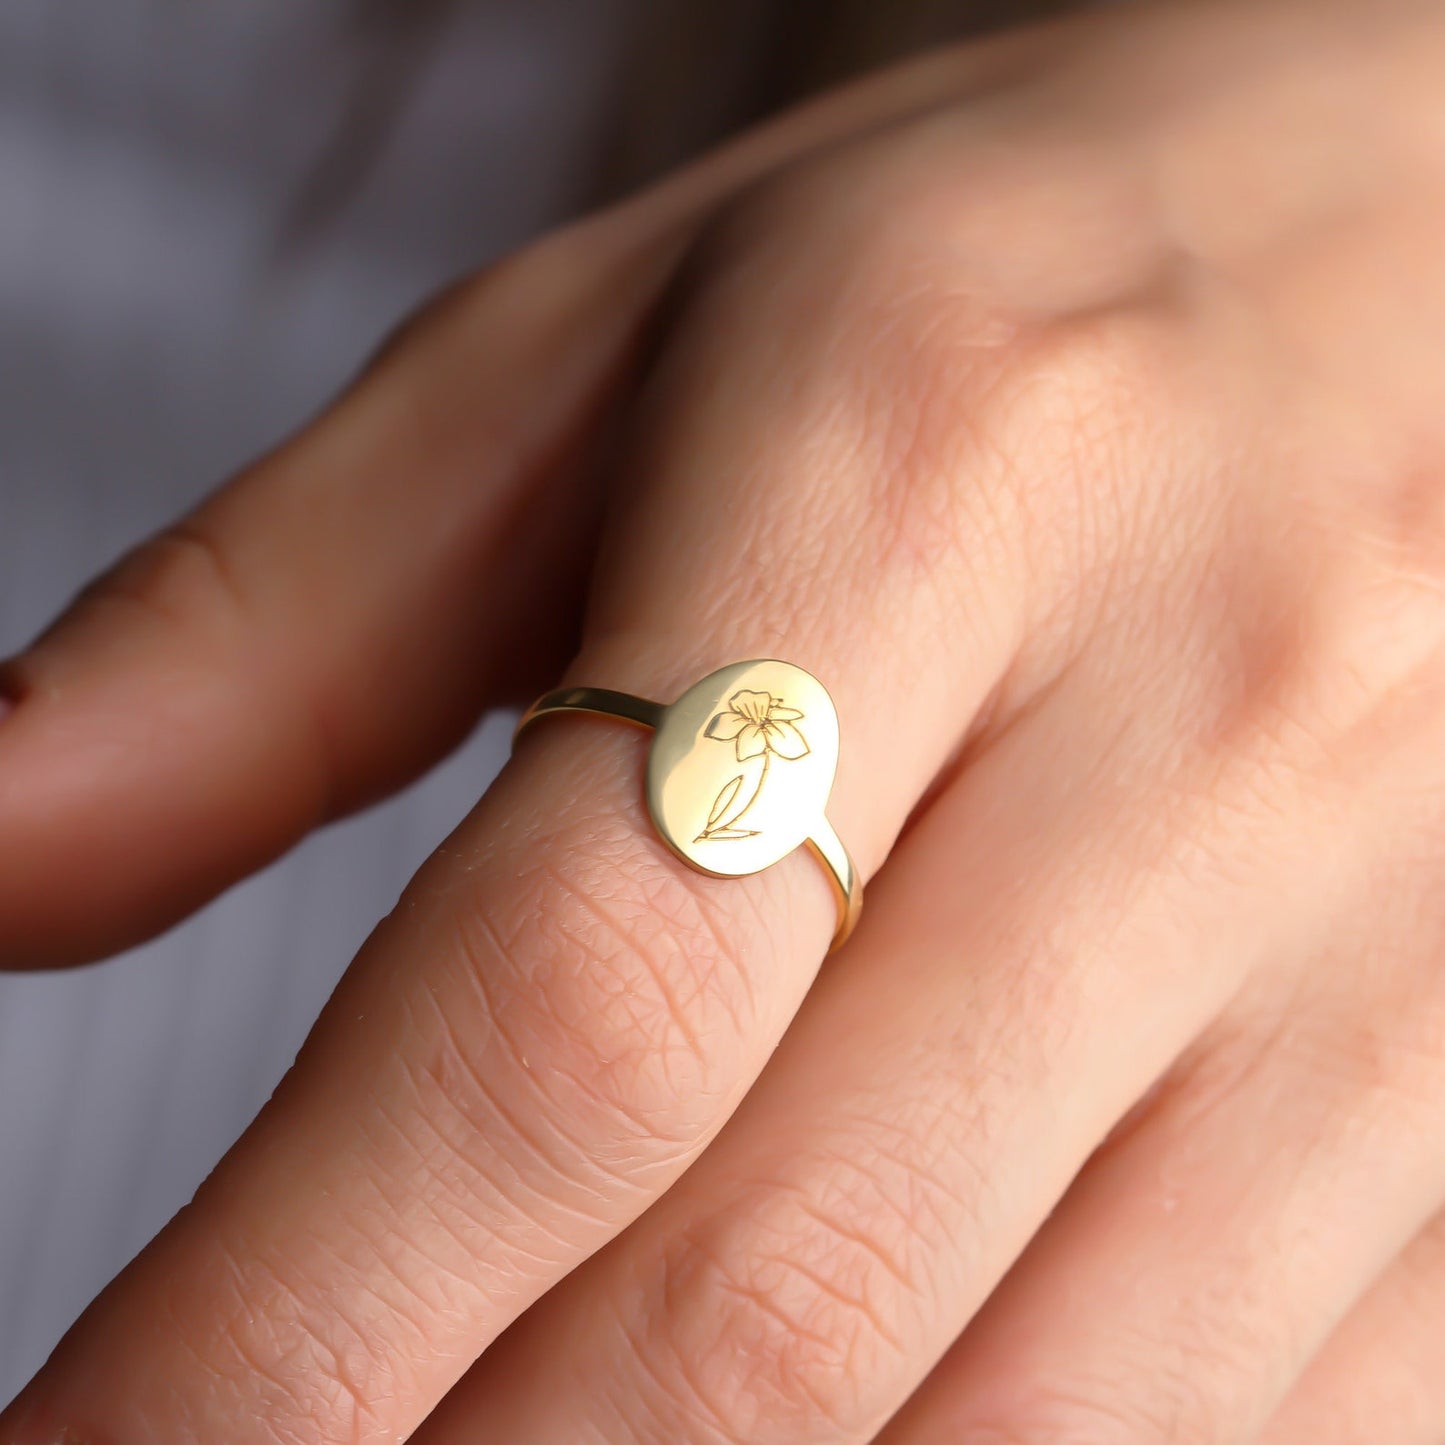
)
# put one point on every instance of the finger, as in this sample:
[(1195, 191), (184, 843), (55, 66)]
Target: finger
[(559, 1015), (1206, 1255), (1013, 988), (1381, 1375), (334, 620), (321, 629)]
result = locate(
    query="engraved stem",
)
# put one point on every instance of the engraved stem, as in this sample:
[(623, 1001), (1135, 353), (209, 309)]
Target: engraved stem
[(756, 793)]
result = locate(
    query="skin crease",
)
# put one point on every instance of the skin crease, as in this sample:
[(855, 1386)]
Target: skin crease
[(1073, 407)]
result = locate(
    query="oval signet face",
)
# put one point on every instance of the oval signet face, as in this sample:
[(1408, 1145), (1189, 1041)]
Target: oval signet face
[(742, 765)]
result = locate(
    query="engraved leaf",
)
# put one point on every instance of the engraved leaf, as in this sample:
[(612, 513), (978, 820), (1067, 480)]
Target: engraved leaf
[(723, 802)]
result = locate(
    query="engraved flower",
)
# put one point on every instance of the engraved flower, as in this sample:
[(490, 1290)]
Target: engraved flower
[(760, 724)]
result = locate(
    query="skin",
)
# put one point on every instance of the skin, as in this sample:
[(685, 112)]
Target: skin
[(1072, 405)]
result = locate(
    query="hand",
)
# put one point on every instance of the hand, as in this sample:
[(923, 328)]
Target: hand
[(1073, 407)]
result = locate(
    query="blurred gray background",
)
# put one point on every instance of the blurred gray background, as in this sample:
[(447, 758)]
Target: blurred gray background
[(208, 215), (174, 295)]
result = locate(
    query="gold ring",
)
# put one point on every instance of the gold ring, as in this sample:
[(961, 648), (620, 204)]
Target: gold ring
[(739, 770)]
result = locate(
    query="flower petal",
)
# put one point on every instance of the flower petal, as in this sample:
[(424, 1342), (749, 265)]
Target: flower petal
[(751, 742), (786, 741), (779, 713), (753, 705), (726, 725)]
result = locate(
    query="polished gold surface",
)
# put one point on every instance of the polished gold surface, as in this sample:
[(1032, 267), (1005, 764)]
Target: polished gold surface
[(739, 771), (593, 699)]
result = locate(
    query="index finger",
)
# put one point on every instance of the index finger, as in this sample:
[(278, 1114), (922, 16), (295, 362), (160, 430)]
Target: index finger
[(560, 1013)]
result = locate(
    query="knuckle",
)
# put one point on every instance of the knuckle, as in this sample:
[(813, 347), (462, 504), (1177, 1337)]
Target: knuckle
[(616, 990), (307, 1374), (1068, 411), (784, 1344), (802, 1297), (1036, 445), (954, 406), (181, 578), (799, 1309)]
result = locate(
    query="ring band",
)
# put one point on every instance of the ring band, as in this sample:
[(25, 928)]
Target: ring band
[(714, 793)]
